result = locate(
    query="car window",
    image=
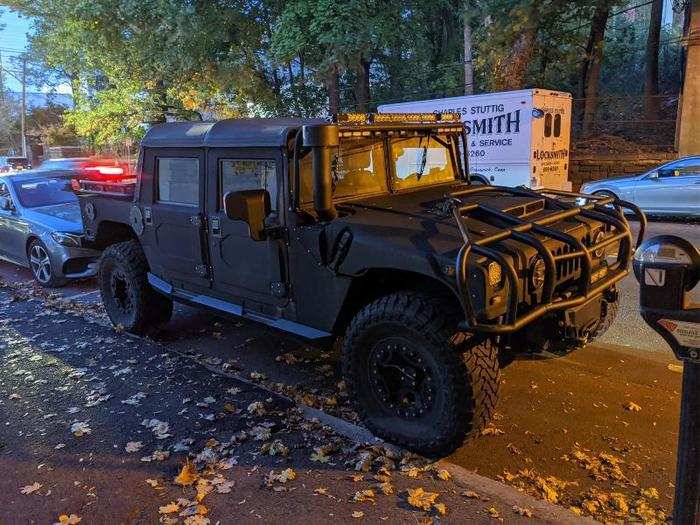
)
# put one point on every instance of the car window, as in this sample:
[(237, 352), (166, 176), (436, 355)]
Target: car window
[(45, 191), (680, 168), (247, 174), (557, 125), (548, 125), (178, 180)]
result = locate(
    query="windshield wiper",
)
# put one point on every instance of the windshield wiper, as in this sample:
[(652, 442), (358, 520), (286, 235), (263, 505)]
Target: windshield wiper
[(424, 158)]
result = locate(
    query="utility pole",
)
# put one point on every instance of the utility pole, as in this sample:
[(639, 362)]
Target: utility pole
[(689, 122), (24, 105)]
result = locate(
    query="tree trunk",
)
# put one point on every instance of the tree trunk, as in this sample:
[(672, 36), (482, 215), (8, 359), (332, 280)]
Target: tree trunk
[(594, 58), (362, 93), (468, 65), (332, 81), (512, 73), (651, 73)]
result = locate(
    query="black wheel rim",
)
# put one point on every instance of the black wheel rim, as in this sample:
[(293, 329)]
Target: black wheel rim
[(401, 378), (121, 292)]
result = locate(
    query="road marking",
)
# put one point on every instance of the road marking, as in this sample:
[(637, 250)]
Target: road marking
[(80, 295)]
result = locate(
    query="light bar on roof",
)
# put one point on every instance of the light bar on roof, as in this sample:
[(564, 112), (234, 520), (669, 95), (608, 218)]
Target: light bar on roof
[(386, 118)]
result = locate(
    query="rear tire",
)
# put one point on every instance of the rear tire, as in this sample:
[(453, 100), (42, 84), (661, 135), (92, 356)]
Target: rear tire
[(408, 381), (129, 300)]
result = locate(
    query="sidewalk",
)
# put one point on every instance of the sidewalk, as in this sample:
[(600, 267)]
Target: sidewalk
[(112, 429)]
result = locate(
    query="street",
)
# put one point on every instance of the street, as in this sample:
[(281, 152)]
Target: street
[(594, 431)]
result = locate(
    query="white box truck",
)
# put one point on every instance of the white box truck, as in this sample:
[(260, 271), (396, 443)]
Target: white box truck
[(516, 138)]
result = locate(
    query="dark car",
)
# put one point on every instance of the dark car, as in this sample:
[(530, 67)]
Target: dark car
[(368, 230)]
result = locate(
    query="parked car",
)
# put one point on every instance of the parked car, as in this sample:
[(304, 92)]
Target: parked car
[(9, 164), (672, 189), (41, 228)]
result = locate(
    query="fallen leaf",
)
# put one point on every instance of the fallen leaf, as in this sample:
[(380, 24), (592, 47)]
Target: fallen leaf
[(133, 446), (470, 494), (357, 513), (444, 474), (522, 511), (364, 495), (169, 508), (493, 512), (633, 407), (29, 489), (188, 475), (421, 499), (80, 428), (65, 519)]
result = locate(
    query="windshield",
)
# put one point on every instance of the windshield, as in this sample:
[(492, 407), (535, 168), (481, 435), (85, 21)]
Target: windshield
[(359, 168), (421, 161), (35, 193)]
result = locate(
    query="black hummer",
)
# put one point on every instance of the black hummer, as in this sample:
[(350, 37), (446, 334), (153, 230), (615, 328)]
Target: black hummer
[(365, 228)]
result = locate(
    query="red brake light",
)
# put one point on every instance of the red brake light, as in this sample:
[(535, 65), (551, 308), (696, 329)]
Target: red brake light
[(106, 171)]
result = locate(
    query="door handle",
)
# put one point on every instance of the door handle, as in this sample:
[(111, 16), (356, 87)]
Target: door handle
[(215, 227)]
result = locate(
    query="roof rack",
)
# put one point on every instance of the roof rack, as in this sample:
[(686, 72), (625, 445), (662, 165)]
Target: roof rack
[(608, 210)]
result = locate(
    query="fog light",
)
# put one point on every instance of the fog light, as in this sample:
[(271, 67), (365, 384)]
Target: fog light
[(538, 271), (495, 274)]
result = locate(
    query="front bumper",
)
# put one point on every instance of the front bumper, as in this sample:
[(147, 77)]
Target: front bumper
[(70, 262), (589, 284)]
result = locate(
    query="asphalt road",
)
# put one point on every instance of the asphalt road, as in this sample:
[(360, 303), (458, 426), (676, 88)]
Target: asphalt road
[(595, 430), (98, 427)]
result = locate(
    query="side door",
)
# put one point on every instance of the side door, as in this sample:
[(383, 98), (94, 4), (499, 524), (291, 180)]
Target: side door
[(246, 271), (673, 188), (173, 198), (13, 229)]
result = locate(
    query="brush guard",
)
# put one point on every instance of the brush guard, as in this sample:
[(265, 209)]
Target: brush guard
[(596, 208)]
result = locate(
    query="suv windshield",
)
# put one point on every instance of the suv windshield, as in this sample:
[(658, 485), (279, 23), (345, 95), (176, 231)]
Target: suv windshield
[(35, 193), (360, 165)]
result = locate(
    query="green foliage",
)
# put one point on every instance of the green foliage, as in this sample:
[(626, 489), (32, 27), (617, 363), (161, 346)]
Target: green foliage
[(133, 62)]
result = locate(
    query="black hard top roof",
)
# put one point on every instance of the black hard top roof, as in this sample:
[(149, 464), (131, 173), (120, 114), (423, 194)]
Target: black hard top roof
[(234, 133)]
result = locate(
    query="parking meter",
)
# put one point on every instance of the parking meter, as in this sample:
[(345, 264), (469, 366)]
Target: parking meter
[(668, 269)]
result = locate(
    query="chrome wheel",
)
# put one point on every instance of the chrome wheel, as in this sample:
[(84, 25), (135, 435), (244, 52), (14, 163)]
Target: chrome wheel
[(40, 263)]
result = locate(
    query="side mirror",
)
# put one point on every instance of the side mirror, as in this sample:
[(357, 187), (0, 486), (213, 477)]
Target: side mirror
[(251, 206), (6, 204)]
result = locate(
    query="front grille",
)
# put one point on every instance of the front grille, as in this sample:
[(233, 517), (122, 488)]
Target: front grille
[(77, 265), (569, 268)]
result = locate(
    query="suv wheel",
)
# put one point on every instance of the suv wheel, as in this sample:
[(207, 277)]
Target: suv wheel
[(129, 300), (410, 384), (40, 264), (607, 318)]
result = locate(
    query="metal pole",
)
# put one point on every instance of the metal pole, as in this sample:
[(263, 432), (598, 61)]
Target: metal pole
[(24, 105), (687, 505)]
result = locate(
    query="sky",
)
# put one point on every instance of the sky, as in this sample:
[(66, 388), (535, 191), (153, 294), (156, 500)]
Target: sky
[(13, 40)]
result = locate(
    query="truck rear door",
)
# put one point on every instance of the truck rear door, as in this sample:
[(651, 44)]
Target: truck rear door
[(173, 183)]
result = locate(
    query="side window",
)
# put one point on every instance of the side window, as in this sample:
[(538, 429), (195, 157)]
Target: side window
[(557, 125), (4, 191), (178, 180), (248, 174), (548, 125)]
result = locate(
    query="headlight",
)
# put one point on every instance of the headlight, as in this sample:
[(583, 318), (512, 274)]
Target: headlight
[(495, 274), (538, 272), (599, 237), (580, 201), (66, 239)]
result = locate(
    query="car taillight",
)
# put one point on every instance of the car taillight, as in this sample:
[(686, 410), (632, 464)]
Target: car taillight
[(105, 171)]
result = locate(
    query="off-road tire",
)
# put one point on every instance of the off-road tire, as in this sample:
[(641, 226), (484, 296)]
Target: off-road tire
[(126, 262), (467, 374), (607, 318)]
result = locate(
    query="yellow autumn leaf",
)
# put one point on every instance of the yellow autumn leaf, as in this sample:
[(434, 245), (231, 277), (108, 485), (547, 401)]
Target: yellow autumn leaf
[(169, 508), (444, 474), (357, 514), (421, 499), (632, 407), (187, 476), (441, 508)]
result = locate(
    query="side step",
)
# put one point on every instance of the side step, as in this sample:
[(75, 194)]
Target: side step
[(234, 309)]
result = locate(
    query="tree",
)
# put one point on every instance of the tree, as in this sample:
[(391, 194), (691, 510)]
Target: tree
[(651, 75), (468, 64), (590, 71)]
